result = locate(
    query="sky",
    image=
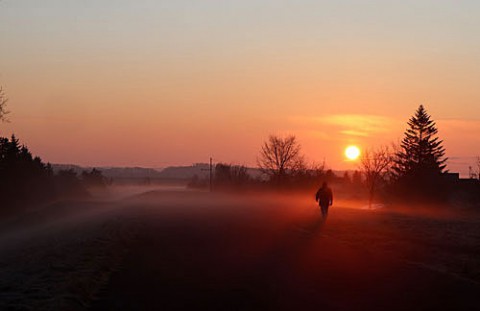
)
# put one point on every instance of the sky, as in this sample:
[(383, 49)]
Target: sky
[(159, 83)]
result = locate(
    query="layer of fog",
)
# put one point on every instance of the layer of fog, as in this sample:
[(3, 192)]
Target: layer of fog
[(83, 241)]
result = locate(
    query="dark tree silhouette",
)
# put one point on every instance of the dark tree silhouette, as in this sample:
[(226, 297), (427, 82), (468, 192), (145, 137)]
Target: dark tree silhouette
[(421, 151), (477, 164), (474, 171), (375, 164), (94, 178), (308, 177), (23, 178), (420, 161), (68, 184), (230, 175), (280, 157)]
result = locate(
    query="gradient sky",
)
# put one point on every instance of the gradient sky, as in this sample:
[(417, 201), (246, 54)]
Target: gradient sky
[(157, 83)]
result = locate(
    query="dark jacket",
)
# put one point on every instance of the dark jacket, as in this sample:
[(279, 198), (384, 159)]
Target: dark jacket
[(324, 196)]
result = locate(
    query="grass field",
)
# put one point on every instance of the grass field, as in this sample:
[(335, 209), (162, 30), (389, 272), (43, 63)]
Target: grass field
[(181, 250)]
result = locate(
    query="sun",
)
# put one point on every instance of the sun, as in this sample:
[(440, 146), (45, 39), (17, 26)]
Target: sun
[(352, 152)]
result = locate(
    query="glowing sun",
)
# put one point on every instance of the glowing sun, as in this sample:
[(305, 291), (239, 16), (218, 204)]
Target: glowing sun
[(352, 152)]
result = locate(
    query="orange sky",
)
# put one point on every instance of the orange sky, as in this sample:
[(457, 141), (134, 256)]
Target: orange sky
[(155, 83)]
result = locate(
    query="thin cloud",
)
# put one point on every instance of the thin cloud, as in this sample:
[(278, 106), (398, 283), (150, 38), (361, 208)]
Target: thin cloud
[(359, 125), (354, 133), (350, 125)]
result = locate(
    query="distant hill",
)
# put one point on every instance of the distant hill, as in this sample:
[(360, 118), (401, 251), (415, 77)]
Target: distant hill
[(61, 167), (130, 172), (173, 172), (186, 172), (113, 172), (169, 173)]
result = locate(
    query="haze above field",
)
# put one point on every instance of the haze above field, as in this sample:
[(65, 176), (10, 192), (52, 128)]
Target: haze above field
[(160, 83)]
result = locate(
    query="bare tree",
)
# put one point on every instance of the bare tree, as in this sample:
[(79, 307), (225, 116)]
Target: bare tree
[(474, 171), (280, 156), (477, 167), (375, 164), (472, 174), (231, 175), (3, 106), (317, 169)]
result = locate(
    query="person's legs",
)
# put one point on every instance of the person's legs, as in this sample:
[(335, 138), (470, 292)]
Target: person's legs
[(324, 209)]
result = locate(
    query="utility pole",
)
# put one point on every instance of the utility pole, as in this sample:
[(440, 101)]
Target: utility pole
[(210, 170), (211, 174)]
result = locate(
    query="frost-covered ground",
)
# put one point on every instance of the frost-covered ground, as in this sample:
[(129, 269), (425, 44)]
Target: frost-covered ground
[(57, 258), (444, 241), (65, 256)]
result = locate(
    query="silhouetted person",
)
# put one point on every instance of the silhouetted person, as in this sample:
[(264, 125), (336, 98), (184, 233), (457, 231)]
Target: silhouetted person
[(324, 197)]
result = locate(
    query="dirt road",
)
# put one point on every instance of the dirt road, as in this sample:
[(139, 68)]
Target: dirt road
[(223, 253)]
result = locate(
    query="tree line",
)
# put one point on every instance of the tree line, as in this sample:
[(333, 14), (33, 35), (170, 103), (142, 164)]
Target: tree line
[(414, 171), (26, 180)]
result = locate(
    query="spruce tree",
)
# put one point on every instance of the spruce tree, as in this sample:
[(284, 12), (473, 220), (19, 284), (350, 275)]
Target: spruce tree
[(24, 179), (420, 162)]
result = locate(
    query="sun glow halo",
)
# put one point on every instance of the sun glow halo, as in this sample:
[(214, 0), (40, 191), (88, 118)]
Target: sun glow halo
[(352, 152)]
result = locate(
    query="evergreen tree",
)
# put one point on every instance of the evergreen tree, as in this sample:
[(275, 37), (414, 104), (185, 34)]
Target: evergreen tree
[(25, 180), (22, 177), (421, 151), (420, 162)]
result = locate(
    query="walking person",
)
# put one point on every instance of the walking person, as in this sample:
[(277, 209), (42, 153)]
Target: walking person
[(324, 197)]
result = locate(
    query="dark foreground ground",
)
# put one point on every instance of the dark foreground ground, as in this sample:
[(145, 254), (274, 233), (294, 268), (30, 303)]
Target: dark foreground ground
[(189, 251)]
